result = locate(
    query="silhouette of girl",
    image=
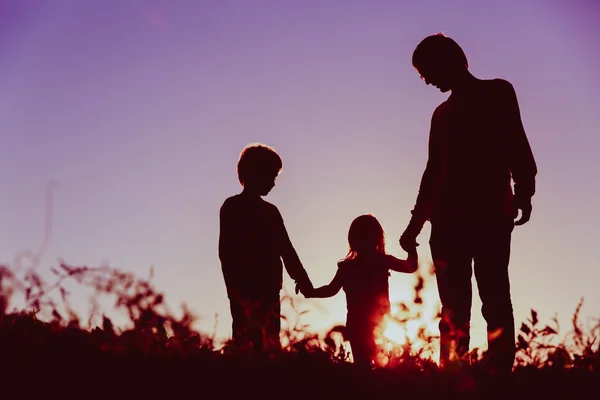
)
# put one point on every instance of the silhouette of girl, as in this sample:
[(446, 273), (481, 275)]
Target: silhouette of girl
[(363, 274)]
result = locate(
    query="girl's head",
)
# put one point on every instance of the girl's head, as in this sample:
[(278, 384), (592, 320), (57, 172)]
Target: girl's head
[(365, 236)]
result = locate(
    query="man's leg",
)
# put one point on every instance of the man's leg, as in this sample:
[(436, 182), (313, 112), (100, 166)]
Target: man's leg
[(491, 272), (452, 257)]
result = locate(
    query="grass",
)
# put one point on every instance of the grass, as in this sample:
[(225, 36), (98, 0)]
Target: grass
[(46, 341)]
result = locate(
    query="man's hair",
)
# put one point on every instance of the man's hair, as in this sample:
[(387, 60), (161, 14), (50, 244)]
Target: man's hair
[(258, 159), (438, 48)]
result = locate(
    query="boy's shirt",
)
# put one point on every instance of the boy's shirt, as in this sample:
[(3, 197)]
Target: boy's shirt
[(252, 242), (476, 145)]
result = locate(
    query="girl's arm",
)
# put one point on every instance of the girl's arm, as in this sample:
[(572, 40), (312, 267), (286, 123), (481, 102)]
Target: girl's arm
[(407, 266), (328, 290)]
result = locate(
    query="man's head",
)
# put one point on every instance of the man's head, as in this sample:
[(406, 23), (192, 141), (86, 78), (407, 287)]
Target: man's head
[(440, 61), (258, 167)]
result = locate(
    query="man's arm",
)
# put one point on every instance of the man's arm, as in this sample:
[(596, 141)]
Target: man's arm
[(521, 162), (422, 209), (290, 258)]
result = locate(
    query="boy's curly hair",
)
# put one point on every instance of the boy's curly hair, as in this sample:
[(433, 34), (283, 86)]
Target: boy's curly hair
[(258, 159)]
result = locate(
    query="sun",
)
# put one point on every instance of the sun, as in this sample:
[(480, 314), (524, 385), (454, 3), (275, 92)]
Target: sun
[(394, 332), (411, 331), (413, 335)]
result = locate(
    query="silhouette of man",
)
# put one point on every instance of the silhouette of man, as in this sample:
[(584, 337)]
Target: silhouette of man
[(477, 143), (253, 241)]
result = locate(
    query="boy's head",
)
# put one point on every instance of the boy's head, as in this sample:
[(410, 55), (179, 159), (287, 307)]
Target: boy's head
[(439, 60), (258, 167)]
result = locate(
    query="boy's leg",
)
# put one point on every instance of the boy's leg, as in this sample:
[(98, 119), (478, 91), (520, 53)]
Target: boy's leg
[(272, 322), (452, 257), (239, 325), (265, 323), (491, 272)]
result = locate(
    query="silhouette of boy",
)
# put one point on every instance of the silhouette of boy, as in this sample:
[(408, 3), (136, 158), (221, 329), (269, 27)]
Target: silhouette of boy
[(477, 143), (252, 242)]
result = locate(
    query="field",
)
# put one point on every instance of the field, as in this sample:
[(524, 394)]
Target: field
[(46, 347)]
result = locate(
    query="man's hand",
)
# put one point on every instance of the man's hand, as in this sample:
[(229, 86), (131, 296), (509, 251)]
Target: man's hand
[(525, 208), (412, 254), (408, 242)]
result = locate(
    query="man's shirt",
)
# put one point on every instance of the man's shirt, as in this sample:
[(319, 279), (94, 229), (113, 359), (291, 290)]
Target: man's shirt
[(477, 143)]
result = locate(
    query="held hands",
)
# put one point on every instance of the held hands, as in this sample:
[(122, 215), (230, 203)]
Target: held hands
[(408, 242), (413, 260), (306, 288), (413, 255)]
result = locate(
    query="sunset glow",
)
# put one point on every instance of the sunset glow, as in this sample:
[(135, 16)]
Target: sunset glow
[(395, 332)]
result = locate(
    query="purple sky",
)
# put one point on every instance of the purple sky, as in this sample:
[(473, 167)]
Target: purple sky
[(139, 109)]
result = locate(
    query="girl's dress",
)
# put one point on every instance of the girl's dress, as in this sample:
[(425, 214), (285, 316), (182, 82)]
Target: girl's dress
[(365, 282)]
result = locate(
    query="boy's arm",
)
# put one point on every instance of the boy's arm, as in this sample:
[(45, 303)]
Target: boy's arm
[(422, 209), (290, 258), (521, 161), (227, 250), (407, 266), (328, 290)]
